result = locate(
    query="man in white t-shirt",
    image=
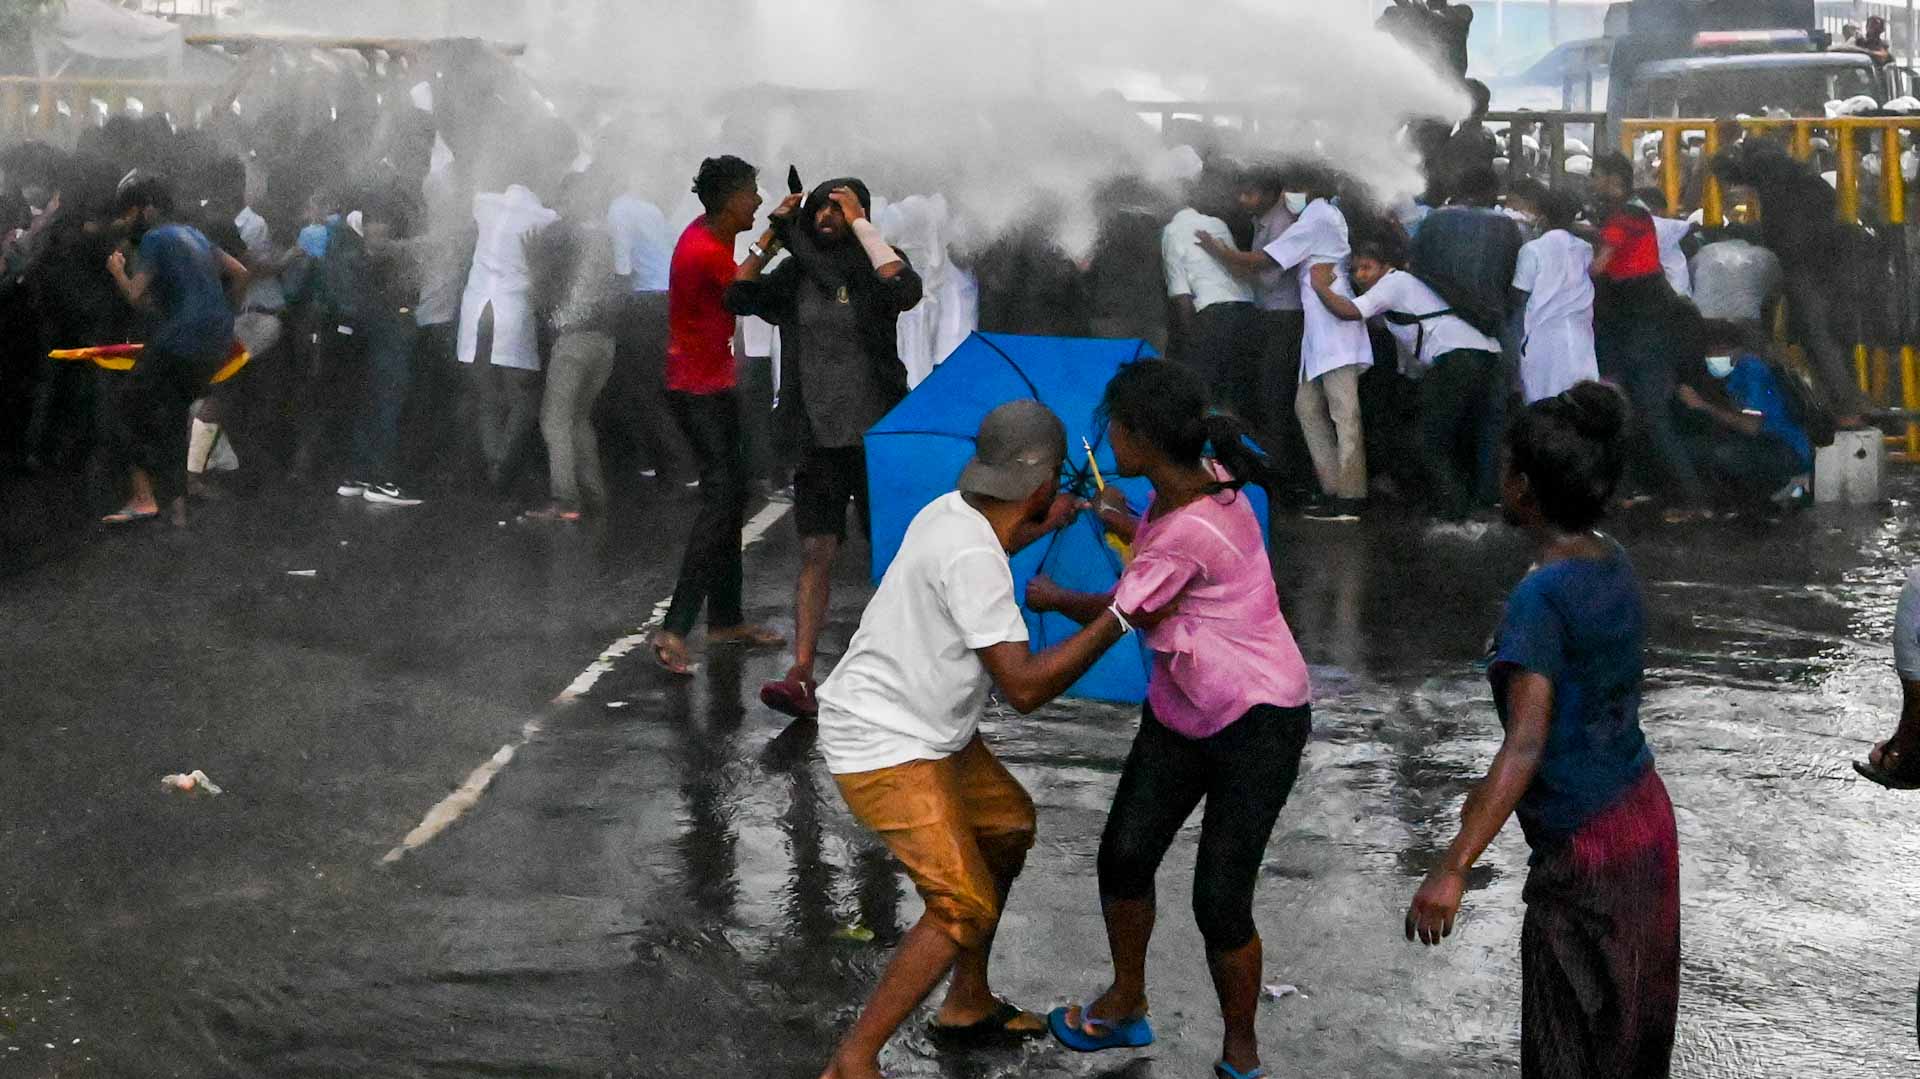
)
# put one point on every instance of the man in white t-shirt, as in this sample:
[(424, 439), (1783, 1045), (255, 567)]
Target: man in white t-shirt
[(1215, 329), (1334, 353), (899, 727), (1455, 364)]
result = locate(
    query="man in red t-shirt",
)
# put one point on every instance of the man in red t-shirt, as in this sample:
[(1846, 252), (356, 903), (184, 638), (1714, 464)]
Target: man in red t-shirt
[(1641, 334), (701, 395)]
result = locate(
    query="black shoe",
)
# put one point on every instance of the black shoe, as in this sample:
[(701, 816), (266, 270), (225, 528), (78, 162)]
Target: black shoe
[(388, 494), (1342, 510)]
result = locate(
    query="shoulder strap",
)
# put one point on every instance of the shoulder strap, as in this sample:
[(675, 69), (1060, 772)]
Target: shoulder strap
[(1401, 318)]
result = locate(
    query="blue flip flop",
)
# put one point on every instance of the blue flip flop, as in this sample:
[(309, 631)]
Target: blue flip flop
[(1224, 1070), (1135, 1033)]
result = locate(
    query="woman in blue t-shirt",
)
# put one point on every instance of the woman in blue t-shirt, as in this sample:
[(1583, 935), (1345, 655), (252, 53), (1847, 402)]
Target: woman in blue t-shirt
[(1600, 947)]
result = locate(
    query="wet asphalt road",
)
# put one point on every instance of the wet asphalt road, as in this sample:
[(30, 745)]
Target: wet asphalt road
[(663, 881)]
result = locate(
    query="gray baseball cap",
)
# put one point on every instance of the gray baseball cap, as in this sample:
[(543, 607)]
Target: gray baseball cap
[(1021, 445)]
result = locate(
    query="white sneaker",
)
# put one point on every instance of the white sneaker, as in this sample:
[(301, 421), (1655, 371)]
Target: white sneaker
[(1466, 531), (389, 494), (350, 489)]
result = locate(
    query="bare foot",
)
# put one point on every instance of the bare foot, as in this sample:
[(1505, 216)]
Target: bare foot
[(1686, 516), (552, 511), (1109, 1008), (955, 1016), (852, 1069), (1888, 755), (751, 635), (135, 510), (670, 652)]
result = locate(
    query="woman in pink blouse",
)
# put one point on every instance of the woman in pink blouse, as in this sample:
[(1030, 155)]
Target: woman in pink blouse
[(1227, 712)]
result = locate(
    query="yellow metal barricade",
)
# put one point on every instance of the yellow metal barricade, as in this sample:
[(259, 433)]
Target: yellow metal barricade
[(1847, 138)]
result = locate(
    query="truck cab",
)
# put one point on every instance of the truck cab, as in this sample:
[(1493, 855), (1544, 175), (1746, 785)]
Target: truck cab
[(1755, 84)]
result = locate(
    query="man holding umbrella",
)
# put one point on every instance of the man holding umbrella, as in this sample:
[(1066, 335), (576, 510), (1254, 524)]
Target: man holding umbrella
[(837, 301), (900, 717)]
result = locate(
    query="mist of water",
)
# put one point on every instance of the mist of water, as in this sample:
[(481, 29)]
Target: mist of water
[(1007, 107)]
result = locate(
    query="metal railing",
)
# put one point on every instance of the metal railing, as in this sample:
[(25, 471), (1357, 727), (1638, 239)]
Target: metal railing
[(1550, 131), (57, 109)]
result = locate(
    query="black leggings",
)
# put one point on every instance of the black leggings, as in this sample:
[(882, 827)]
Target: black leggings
[(1244, 772)]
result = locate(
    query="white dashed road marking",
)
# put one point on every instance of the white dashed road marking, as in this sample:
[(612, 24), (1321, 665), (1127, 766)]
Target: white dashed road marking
[(467, 794)]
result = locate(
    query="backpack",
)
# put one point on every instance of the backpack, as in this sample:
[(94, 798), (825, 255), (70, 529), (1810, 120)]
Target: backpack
[(1803, 405), (346, 279), (1468, 256)]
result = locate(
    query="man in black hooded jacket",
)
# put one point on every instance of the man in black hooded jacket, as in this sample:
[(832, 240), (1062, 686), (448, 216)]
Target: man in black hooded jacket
[(837, 301)]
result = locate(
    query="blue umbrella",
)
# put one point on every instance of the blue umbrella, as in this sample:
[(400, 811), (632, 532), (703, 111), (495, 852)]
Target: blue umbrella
[(916, 452)]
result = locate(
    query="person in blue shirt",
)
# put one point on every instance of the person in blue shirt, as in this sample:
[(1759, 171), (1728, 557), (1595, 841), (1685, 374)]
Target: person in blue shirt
[(1743, 430), (189, 290), (1600, 946)]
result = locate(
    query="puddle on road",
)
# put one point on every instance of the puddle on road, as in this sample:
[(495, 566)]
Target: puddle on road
[(673, 887)]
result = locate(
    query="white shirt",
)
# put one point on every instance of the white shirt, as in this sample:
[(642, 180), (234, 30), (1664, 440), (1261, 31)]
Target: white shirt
[(1401, 292), (1556, 349), (266, 292), (642, 247), (501, 276), (1319, 238), (1190, 270), (1668, 232), (915, 225), (1734, 279), (442, 250), (911, 687)]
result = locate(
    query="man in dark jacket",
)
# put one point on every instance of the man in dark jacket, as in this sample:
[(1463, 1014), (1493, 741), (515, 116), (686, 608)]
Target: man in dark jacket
[(1799, 223), (837, 302)]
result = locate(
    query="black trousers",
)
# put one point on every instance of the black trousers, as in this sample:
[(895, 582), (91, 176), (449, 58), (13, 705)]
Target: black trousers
[(1244, 773), (1746, 471), (1456, 402), (1227, 350), (1281, 335), (1810, 311), (711, 570), (430, 432), (640, 382), (1636, 334), (154, 406)]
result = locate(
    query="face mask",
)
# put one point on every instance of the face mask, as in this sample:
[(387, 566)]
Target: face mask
[(1296, 203), (1720, 366)]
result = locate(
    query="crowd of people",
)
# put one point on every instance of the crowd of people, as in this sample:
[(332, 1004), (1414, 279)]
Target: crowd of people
[(432, 323), (1489, 349)]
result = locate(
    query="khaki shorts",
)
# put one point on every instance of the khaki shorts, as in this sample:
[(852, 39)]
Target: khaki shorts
[(961, 825)]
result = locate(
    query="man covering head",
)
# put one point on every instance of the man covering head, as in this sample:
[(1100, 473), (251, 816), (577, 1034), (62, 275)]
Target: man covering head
[(826, 217), (837, 299)]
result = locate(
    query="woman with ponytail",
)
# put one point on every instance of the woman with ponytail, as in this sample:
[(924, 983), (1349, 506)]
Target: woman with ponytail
[(1600, 947), (1226, 717)]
